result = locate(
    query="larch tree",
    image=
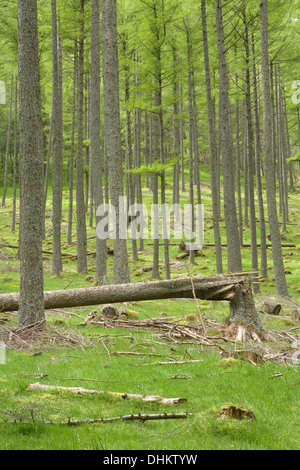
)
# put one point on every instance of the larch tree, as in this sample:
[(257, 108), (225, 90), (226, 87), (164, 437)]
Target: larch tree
[(31, 305), (96, 176), (57, 153), (233, 241), (112, 135), (280, 279), (80, 205)]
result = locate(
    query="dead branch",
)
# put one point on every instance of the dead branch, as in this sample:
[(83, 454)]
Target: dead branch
[(136, 417), (79, 391)]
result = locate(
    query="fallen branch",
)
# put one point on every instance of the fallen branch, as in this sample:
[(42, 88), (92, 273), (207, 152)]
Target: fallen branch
[(171, 362), (79, 391), (136, 417)]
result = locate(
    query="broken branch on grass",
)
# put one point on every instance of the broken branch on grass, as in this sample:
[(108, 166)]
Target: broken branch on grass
[(79, 391), (136, 417)]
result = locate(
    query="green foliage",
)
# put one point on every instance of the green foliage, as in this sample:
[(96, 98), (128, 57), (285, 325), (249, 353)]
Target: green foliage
[(156, 168), (295, 158)]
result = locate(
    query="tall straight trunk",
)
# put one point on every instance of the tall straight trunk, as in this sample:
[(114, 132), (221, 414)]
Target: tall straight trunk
[(72, 149), (15, 169), (182, 146), (245, 165), (282, 173), (8, 141), (238, 164), (212, 144), (262, 224), (155, 218), (233, 241), (57, 158), (112, 133), (49, 148), (31, 305), (80, 205), (288, 143), (191, 150), (251, 163), (95, 124), (284, 154), (176, 131), (86, 147), (280, 280), (146, 147), (129, 177)]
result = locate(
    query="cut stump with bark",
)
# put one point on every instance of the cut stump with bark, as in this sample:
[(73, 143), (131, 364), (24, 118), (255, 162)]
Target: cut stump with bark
[(272, 307)]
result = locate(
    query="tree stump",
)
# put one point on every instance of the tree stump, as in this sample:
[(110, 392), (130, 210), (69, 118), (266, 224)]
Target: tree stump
[(272, 307)]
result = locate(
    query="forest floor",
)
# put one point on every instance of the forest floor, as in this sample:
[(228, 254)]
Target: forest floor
[(115, 362)]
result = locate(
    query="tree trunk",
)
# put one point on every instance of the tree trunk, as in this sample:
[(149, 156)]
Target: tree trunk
[(15, 170), (96, 174), (251, 163), (212, 146), (112, 133), (234, 289), (233, 250), (31, 303), (8, 142), (191, 150), (262, 224), (71, 160), (280, 280), (57, 158), (80, 205)]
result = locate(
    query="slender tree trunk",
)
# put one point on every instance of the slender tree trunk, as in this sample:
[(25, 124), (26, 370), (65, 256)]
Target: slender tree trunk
[(80, 205), (57, 159), (262, 224), (280, 280), (238, 164), (251, 163), (31, 305), (15, 170), (8, 141), (212, 145), (191, 151), (113, 134), (96, 174), (129, 177), (233, 241), (72, 149)]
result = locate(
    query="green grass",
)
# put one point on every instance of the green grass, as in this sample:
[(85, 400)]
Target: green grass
[(208, 385)]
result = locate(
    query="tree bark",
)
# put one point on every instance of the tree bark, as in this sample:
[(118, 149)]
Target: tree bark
[(212, 145), (57, 158), (15, 170), (80, 205), (96, 174), (71, 160), (233, 250), (8, 141), (262, 224), (280, 280), (31, 303), (214, 288), (112, 133)]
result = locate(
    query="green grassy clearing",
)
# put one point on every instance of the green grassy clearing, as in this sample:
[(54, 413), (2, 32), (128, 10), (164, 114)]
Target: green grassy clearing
[(208, 385)]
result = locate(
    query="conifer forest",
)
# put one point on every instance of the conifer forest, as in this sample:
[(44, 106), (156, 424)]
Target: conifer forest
[(149, 227)]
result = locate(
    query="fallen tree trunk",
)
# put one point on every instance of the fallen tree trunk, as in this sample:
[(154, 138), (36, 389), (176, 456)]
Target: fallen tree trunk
[(234, 288), (215, 287)]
